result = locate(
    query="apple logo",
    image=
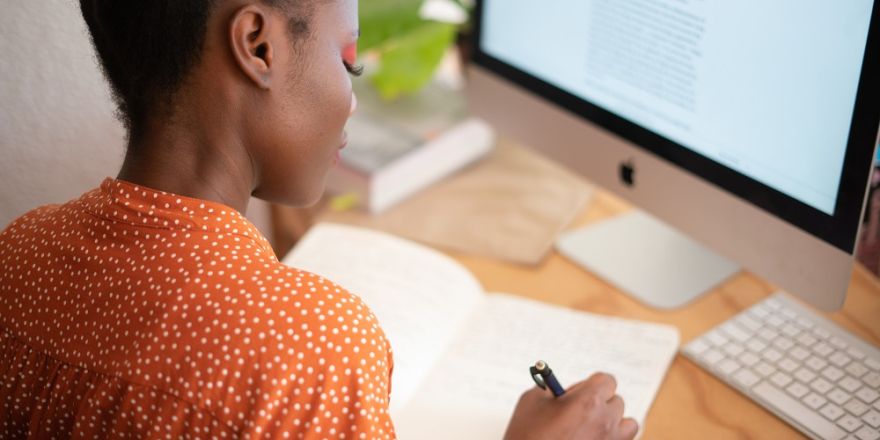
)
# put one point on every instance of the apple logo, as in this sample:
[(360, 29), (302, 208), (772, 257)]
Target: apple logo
[(627, 173)]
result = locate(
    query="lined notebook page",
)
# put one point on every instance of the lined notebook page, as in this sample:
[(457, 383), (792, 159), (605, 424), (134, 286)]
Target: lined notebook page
[(421, 297), (473, 388)]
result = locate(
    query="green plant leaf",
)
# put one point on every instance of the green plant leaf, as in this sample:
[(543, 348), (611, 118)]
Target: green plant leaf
[(381, 20), (408, 61)]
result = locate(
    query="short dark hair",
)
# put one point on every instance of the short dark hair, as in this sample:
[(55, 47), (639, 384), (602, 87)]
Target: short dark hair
[(147, 47)]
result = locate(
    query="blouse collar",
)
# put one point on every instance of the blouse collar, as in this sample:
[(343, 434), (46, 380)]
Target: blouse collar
[(126, 202)]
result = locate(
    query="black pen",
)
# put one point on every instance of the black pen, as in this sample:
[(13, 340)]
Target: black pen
[(544, 377)]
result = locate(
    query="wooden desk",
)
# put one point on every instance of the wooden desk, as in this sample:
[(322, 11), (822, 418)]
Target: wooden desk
[(691, 403)]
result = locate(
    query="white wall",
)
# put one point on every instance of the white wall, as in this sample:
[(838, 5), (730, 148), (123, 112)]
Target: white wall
[(58, 134)]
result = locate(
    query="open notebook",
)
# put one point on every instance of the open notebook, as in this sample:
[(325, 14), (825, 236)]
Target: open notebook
[(461, 356)]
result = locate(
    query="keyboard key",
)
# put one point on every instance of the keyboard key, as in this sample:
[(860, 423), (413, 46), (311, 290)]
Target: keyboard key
[(849, 384), (727, 366), (865, 433), (735, 332), (749, 359), (831, 412), (760, 312), (713, 356), (756, 345), (797, 411), (821, 386), (797, 390), (788, 365), (716, 338), (877, 405), (789, 314), (838, 396), (771, 355), (783, 344), (805, 323), (775, 321), (768, 334), (817, 364), (856, 369), (791, 330), (833, 374), (867, 395), (697, 347), (806, 339), (855, 407), (749, 323), (746, 378), (838, 342), (872, 379), (855, 353), (799, 354), (873, 364), (821, 333), (823, 349), (815, 401), (765, 369), (772, 304), (839, 358), (849, 423), (781, 379), (733, 350), (804, 375), (872, 418)]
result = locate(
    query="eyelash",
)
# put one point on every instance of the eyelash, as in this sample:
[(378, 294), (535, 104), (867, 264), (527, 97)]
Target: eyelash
[(353, 69)]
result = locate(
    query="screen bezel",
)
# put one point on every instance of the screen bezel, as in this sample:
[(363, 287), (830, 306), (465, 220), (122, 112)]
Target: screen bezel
[(839, 229)]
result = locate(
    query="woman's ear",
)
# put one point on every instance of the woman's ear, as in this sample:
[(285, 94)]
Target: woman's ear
[(250, 44)]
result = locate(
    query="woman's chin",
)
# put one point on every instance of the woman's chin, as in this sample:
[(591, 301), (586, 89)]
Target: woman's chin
[(299, 199)]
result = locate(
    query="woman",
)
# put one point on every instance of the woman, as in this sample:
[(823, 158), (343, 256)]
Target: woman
[(149, 307)]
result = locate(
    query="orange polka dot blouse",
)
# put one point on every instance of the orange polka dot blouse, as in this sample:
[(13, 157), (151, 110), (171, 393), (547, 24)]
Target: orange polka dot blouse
[(136, 313)]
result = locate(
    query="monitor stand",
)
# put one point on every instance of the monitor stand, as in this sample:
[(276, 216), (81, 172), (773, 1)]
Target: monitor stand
[(647, 259)]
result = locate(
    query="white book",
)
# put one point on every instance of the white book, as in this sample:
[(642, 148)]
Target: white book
[(461, 355), (397, 148)]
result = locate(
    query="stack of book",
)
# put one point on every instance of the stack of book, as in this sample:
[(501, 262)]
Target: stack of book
[(399, 147)]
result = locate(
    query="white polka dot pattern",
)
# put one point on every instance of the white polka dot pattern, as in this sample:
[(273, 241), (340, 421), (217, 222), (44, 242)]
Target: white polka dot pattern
[(136, 313)]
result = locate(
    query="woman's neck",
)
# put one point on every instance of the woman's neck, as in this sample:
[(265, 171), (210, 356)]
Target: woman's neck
[(203, 164)]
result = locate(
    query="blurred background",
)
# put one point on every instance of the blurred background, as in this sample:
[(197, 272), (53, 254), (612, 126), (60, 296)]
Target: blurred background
[(58, 133)]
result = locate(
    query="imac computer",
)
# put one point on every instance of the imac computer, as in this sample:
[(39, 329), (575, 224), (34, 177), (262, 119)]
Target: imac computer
[(744, 131)]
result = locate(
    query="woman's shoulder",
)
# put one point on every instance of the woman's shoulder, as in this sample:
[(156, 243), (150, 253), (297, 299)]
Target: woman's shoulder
[(293, 300), (38, 216), (41, 223), (276, 309)]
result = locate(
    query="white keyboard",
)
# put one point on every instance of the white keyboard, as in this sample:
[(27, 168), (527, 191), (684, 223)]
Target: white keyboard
[(813, 374)]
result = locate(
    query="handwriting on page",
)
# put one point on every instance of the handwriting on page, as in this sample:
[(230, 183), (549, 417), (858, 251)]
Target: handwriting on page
[(478, 381)]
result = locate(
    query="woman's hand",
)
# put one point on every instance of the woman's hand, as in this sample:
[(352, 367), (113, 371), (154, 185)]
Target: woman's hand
[(588, 410)]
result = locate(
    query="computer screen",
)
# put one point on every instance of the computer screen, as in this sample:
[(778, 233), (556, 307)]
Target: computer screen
[(753, 124), (725, 79)]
